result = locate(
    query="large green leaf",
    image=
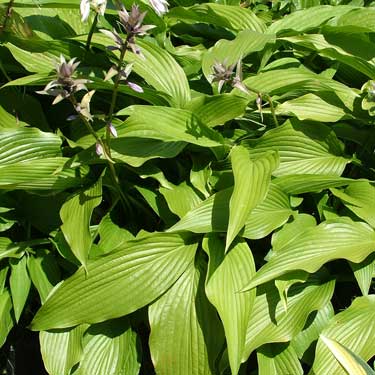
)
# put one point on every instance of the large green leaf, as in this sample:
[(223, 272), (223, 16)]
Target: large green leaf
[(230, 17), (181, 198), (251, 183), (44, 272), (117, 284), (359, 198), (309, 249), (364, 272), (161, 71), (299, 80), (362, 17), (226, 274), (275, 359), (61, 350), (351, 363), (34, 62), (25, 144), (186, 336), (318, 43), (303, 149), (212, 214), (135, 151), (168, 125), (40, 174), (75, 215), (305, 183), (270, 322), (314, 326), (230, 51), (306, 19), (110, 348), (270, 214), (20, 283), (312, 107), (218, 109), (353, 328), (6, 315)]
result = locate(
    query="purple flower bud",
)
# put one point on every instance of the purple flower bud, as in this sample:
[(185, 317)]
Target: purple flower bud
[(98, 149), (135, 87), (112, 130)]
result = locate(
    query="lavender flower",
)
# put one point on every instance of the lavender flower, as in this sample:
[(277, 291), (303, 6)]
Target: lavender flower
[(160, 6), (223, 73), (65, 85), (124, 74), (98, 5)]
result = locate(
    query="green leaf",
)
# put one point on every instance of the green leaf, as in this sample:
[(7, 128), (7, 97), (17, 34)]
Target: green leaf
[(161, 71), (111, 235), (212, 214), (40, 174), (8, 121), (123, 281), (352, 364), (364, 18), (269, 215), (218, 109), (34, 62), (76, 214), (314, 326), (318, 43), (186, 336), (135, 151), (364, 272), (6, 316), (8, 249), (307, 19), (23, 144), (354, 329), (181, 198), (309, 249), (110, 348), (276, 359), (231, 17), (167, 125), (19, 285), (44, 272), (62, 349), (359, 198), (270, 322), (226, 274), (302, 148), (251, 183), (3, 277), (305, 183), (297, 81), (312, 107), (230, 51)]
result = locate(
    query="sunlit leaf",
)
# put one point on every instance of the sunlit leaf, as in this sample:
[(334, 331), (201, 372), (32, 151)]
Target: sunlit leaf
[(117, 284)]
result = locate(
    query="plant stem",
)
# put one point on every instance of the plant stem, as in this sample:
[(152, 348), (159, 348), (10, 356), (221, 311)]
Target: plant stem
[(115, 90), (273, 110), (106, 149), (269, 100), (91, 32)]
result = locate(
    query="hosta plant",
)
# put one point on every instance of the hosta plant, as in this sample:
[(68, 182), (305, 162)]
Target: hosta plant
[(186, 187)]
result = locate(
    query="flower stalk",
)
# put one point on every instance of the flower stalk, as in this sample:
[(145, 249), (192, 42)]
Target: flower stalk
[(91, 32)]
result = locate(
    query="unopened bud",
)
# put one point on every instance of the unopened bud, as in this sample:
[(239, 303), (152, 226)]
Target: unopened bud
[(112, 130), (98, 149)]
